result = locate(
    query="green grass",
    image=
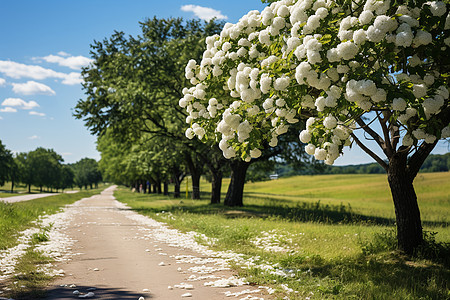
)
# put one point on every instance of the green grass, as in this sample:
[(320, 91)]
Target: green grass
[(28, 283), (336, 230)]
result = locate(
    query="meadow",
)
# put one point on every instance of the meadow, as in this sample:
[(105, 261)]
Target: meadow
[(334, 233)]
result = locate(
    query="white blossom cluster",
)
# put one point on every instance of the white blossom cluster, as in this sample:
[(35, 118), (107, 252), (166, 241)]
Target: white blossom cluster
[(336, 60)]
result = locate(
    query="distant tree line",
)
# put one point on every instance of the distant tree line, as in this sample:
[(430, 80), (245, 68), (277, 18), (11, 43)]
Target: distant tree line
[(44, 168), (433, 163)]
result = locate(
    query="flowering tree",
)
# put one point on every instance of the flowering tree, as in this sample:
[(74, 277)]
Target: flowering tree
[(134, 83), (343, 65)]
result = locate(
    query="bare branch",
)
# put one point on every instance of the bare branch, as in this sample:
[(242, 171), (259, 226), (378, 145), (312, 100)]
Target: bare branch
[(389, 149), (417, 159), (371, 153), (373, 134), (395, 135)]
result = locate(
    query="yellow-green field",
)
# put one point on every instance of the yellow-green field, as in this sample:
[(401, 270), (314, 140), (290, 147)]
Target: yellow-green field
[(338, 229), (367, 194)]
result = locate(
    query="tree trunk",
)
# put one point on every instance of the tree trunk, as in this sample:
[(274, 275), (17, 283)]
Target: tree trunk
[(178, 177), (195, 185), (144, 187), (236, 187), (29, 188), (176, 192), (409, 227), (216, 186), (196, 172), (158, 187), (166, 188), (12, 186), (154, 189)]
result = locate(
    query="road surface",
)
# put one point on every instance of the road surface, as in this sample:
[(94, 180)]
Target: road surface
[(121, 255), (30, 197), (25, 197)]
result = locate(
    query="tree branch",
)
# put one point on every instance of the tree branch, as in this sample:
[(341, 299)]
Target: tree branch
[(389, 149), (373, 134), (371, 153), (417, 159)]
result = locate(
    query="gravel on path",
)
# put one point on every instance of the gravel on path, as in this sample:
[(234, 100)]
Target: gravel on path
[(119, 254)]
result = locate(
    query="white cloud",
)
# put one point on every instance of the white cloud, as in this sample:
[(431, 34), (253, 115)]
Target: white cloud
[(73, 62), (8, 109), (2, 81), (1, 118), (204, 13), (18, 70), (19, 103), (34, 137), (73, 78), (62, 53), (32, 88), (35, 113)]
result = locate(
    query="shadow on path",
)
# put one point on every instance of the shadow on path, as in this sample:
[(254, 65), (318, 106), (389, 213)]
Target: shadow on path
[(61, 293)]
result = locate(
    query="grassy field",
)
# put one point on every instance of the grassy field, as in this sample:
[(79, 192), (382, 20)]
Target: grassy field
[(333, 232)]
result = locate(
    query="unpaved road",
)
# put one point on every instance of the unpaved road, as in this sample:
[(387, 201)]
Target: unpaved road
[(25, 197), (28, 197), (116, 256)]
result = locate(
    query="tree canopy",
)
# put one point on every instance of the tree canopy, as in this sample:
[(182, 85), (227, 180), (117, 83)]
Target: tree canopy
[(134, 85), (343, 66), (86, 173), (6, 161)]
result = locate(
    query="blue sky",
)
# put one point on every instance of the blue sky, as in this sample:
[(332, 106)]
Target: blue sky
[(45, 43)]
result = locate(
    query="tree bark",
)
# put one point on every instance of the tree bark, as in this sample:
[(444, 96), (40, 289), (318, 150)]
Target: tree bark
[(195, 185), (216, 187), (236, 187), (166, 188), (196, 172), (409, 227), (144, 187), (176, 192)]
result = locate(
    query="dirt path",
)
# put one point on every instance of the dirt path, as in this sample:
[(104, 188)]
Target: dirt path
[(120, 258), (28, 197)]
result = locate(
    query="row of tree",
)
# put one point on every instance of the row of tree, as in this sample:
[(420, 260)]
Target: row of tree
[(44, 168), (132, 92), (342, 83)]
